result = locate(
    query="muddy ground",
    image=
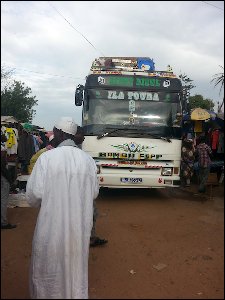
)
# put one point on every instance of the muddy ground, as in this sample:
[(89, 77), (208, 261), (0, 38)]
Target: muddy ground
[(163, 244)]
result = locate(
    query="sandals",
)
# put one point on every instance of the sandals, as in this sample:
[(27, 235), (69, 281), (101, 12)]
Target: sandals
[(96, 241)]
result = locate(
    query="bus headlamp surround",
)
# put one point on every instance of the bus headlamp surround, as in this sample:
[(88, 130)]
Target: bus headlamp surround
[(167, 171)]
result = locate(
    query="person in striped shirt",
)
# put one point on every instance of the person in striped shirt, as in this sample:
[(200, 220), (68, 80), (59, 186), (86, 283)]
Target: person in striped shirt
[(203, 154)]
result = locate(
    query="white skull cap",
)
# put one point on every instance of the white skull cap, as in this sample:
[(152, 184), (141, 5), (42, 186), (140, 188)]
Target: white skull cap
[(67, 125)]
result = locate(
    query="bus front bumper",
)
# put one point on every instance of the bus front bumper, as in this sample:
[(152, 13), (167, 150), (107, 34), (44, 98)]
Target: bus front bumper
[(137, 181)]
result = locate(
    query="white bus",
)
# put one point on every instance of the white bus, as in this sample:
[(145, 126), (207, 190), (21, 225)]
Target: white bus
[(131, 119)]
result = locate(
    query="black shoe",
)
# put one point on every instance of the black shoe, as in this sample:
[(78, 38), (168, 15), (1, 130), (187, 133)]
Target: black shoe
[(97, 242), (8, 226)]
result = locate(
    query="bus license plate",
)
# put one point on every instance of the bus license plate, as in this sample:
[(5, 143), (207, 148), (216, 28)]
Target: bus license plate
[(131, 180)]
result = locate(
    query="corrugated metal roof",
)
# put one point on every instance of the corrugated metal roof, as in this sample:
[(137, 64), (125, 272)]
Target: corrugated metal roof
[(8, 119)]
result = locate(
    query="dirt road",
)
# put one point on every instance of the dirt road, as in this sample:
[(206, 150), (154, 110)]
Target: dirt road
[(162, 245)]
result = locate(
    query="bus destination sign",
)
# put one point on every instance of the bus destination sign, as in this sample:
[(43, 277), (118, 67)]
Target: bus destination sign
[(139, 82)]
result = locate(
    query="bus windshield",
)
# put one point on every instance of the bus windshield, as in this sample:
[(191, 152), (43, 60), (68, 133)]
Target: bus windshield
[(118, 107)]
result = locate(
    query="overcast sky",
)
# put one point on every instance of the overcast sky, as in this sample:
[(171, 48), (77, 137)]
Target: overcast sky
[(39, 43)]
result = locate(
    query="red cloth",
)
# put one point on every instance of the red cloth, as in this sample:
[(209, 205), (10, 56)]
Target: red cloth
[(215, 139)]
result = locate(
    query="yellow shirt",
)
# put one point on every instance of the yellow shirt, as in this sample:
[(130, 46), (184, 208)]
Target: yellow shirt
[(11, 137), (34, 159)]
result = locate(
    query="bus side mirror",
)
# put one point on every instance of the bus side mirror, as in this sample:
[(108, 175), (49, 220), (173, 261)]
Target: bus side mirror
[(79, 95)]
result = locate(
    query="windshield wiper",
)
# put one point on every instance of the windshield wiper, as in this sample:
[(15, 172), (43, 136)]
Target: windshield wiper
[(156, 136), (166, 139), (114, 130), (136, 129), (107, 133)]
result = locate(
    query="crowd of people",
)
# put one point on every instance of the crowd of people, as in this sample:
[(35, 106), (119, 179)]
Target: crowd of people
[(195, 157), (63, 184)]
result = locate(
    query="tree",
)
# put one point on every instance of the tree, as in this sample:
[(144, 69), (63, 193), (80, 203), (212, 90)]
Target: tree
[(219, 79), (187, 85), (198, 101), (5, 76), (16, 101)]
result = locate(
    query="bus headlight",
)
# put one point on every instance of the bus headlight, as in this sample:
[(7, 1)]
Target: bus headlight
[(167, 171)]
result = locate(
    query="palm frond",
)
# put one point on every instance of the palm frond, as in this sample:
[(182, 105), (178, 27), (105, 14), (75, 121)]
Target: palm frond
[(218, 79)]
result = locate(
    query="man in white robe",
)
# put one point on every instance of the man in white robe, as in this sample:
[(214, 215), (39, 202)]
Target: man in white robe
[(64, 184)]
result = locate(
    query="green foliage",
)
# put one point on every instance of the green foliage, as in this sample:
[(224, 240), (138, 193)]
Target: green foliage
[(5, 77), (16, 101), (198, 101), (219, 79), (5, 74), (187, 85)]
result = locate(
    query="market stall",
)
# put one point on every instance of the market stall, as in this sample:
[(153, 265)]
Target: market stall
[(23, 140)]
